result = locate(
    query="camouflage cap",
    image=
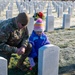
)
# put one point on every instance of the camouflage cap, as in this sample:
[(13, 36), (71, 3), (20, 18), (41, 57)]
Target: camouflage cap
[(22, 18)]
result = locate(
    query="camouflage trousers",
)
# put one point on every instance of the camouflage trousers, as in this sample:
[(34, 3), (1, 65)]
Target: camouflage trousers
[(7, 55)]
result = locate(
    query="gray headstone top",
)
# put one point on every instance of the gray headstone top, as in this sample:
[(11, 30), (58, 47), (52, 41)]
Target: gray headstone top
[(48, 60), (1, 58), (48, 45), (3, 66)]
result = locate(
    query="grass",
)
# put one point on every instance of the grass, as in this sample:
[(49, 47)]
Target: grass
[(13, 71)]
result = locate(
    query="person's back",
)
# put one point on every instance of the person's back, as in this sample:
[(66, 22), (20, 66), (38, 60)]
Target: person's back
[(4, 22), (13, 34), (37, 41), (14, 38)]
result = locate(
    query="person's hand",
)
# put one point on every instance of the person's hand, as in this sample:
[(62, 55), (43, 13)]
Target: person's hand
[(21, 50)]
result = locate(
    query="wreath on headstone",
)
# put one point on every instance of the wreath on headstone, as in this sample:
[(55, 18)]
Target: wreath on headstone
[(38, 15)]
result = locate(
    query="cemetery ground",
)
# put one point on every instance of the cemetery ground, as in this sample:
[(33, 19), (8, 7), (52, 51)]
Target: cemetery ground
[(65, 39)]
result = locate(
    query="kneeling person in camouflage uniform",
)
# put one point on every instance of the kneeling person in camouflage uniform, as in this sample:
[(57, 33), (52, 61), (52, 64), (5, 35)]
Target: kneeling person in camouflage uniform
[(14, 38)]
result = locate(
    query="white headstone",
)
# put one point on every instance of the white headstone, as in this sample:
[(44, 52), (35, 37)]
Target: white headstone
[(3, 66), (2, 7), (49, 11), (0, 11), (48, 60), (70, 11), (8, 14), (24, 10), (27, 8), (31, 25), (21, 8), (64, 7), (37, 10), (50, 23), (10, 7), (66, 21), (31, 9), (60, 11)]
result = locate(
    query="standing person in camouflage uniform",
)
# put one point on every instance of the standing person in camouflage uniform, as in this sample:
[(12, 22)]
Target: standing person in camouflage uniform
[(14, 38)]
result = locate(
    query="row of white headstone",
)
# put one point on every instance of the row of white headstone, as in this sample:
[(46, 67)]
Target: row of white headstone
[(3, 5), (49, 22), (33, 7), (23, 6), (9, 11), (29, 7), (49, 26), (48, 61), (49, 18)]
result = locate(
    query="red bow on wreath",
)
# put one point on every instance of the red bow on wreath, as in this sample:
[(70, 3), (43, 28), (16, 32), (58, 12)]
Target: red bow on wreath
[(38, 15)]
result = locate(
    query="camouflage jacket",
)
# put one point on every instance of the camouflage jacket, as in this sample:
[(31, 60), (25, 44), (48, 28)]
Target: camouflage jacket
[(11, 37)]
